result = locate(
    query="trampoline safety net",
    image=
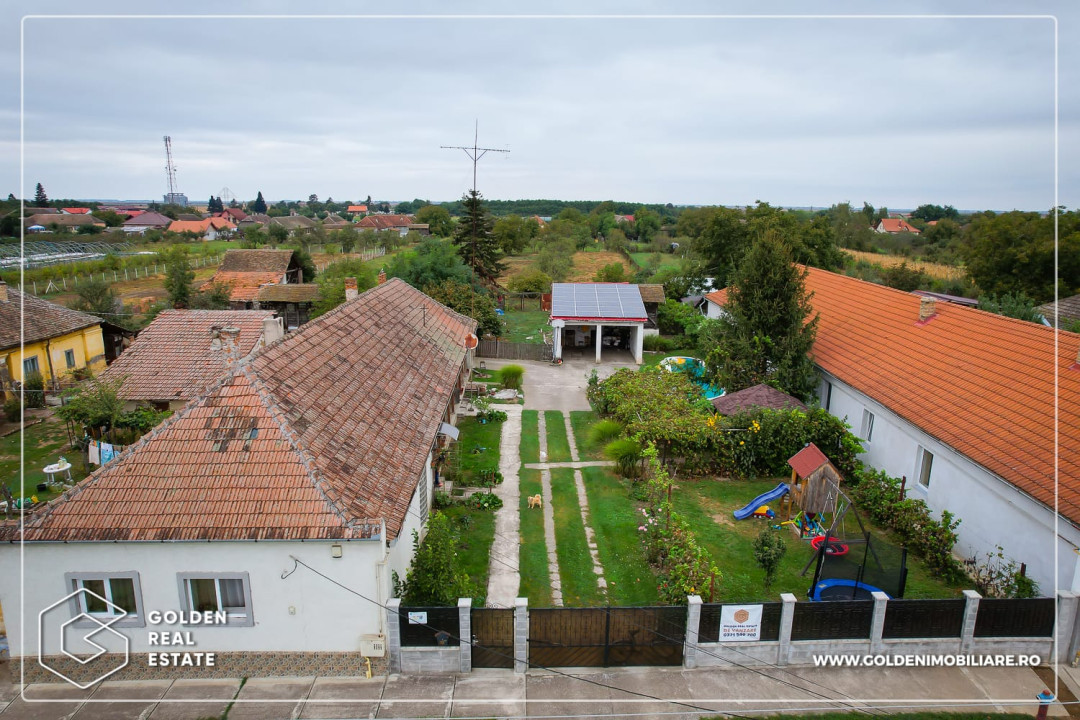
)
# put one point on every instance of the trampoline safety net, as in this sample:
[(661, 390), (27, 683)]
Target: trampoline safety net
[(872, 561)]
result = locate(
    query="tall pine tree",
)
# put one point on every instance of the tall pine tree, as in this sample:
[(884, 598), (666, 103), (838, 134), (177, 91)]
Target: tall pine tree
[(40, 198), (768, 326), (259, 206), (475, 240)]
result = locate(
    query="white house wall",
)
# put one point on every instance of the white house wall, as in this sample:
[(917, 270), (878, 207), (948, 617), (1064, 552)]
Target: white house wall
[(401, 548), (302, 612), (992, 512)]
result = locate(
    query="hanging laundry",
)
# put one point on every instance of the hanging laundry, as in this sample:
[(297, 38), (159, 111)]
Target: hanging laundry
[(95, 453), (106, 452)]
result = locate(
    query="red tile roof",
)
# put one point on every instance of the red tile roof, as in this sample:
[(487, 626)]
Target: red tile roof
[(200, 226), (807, 460), (357, 209), (245, 271), (897, 225), (317, 436), (244, 286), (386, 222), (172, 358), (40, 319), (980, 383), (76, 210)]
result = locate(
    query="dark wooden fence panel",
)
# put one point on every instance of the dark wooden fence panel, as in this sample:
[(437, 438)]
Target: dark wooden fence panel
[(604, 637), (443, 619), (1015, 617), (513, 350), (493, 637), (709, 628), (836, 620), (924, 619)]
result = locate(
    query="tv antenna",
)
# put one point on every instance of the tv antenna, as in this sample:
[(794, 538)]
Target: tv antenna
[(170, 169), (475, 152)]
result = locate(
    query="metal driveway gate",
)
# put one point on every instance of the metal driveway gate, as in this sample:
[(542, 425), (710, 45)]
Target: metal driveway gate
[(493, 637), (606, 637)]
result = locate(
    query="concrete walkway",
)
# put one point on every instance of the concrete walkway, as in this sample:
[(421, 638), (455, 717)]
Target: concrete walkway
[(635, 692), (503, 568), (576, 464), (583, 502)]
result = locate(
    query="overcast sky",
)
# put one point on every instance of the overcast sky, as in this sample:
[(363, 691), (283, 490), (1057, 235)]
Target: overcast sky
[(805, 112)]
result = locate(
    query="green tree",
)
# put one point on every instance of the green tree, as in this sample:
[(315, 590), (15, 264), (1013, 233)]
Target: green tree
[(97, 298), (769, 549), (767, 331), (258, 205), (437, 219), (89, 230), (903, 277), (332, 284), (40, 198), (646, 224), (277, 234), (556, 258), (467, 300), (868, 212), (513, 233), (307, 265), (178, 275), (475, 241), (95, 403), (432, 262), (935, 212), (435, 577), (530, 280), (1017, 305), (110, 218), (212, 296), (613, 273)]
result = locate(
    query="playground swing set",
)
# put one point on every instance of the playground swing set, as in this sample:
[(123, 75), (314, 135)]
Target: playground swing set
[(847, 566)]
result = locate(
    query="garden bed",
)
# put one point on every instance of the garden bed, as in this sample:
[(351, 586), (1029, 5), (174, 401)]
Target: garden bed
[(477, 451), (475, 531)]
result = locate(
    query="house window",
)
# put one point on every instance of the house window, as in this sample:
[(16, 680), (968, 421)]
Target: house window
[(69, 358), (114, 594), (218, 592), (30, 365), (926, 464), (867, 425), (828, 395)]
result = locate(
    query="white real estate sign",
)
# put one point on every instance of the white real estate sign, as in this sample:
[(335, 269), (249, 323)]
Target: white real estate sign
[(740, 623)]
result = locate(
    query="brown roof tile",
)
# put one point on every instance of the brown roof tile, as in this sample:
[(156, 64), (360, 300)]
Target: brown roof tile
[(41, 319), (295, 293), (256, 261), (172, 358), (758, 396), (311, 437), (652, 293)]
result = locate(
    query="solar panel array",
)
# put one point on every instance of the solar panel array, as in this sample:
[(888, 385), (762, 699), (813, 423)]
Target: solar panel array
[(596, 300)]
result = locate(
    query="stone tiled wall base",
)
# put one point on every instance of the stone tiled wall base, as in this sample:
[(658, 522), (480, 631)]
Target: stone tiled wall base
[(226, 665)]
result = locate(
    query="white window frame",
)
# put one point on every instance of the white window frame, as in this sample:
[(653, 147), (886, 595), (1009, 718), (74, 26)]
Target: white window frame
[(867, 425), (234, 619), (76, 581), (920, 463)]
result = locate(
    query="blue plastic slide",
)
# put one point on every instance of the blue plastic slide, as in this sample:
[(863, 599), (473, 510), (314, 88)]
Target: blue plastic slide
[(764, 499)]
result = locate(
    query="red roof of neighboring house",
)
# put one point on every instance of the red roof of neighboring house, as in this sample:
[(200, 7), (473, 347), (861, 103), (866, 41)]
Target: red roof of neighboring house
[(807, 460), (244, 286), (357, 209), (980, 383), (76, 210), (386, 222), (321, 435), (200, 226), (897, 225)]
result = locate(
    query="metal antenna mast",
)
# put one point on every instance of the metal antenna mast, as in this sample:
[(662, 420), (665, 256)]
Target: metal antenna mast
[(474, 152), (170, 169)]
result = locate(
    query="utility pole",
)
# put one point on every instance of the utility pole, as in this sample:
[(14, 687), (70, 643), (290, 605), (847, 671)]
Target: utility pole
[(474, 152)]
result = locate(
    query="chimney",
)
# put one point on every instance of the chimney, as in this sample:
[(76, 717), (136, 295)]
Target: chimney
[(927, 308), (224, 339), (351, 293), (272, 330), (3, 291), (382, 276)]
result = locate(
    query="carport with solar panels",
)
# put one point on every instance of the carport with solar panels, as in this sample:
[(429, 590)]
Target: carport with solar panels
[(605, 319)]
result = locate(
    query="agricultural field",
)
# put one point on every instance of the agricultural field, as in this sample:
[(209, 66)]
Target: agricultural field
[(934, 270), (586, 264)]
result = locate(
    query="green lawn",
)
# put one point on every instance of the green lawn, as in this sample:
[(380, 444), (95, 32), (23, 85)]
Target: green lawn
[(533, 561), (641, 259), (478, 450), (579, 586), (558, 447), (525, 326), (476, 531), (615, 519), (582, 420), (530, 437), (45, 443), (707, 504)]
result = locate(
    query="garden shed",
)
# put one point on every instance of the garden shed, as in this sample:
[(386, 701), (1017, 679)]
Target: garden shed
[(815, 482)]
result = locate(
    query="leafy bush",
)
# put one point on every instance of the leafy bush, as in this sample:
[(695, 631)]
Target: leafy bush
[(604, 432), (13, 409), (491, 416), (769, 549), (531, 280), (435, 577), (34, 390), (903, 277), (998, 576), (511, 376), (615, 273), (676, 318), (657, 343), (485, 501), (626, 454)]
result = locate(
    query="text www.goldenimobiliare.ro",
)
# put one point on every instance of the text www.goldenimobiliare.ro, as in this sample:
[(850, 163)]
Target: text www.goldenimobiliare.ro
[(926, 660)]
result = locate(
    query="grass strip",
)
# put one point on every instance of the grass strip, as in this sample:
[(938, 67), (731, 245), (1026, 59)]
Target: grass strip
[(582, 421), (579, 586), (615, 518), (476, 532), (478, 449), (530, 436), (558, 446), (532, 554)]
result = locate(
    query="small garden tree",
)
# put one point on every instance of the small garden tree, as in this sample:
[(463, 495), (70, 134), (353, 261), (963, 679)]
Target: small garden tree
[(435, 577), (178, 276), (769, 549)]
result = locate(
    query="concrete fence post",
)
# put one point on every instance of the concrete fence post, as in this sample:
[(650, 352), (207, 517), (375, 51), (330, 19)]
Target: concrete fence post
[(521, 635), (1066, 636), (464, 609), (877, 625), (971, 611), (393, 634), (693, 624), (787, 619)]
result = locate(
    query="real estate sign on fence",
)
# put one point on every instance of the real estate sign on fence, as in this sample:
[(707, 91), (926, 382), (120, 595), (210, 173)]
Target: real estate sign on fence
[(740, 623)]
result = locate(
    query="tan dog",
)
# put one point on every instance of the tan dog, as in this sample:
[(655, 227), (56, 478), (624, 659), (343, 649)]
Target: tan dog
[(536, 501)]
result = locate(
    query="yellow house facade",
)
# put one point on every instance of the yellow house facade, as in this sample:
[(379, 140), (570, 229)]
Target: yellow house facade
[(54, 340)]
